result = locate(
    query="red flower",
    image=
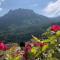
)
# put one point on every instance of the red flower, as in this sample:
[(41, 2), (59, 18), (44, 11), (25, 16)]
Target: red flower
[(28, 47), (39, 44), (27, 50), (55, 28), (3, 47)]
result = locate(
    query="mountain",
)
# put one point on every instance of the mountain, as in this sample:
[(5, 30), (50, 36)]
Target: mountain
[(55, 19), (23, 20)]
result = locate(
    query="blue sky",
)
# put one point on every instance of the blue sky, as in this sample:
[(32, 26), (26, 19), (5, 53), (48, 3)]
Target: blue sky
[(50, 8)]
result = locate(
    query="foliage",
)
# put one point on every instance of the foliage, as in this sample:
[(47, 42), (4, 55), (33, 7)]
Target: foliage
[(45, 48)]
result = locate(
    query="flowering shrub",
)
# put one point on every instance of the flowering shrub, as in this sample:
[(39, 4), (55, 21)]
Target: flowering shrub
[(43, 49), (55, 28)]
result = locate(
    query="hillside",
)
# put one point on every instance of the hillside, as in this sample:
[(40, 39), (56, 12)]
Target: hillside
[(22, 20)]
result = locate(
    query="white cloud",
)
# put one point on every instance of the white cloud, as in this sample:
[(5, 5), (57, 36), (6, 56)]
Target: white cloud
[(1, 9), (1, 1), (53, 9)]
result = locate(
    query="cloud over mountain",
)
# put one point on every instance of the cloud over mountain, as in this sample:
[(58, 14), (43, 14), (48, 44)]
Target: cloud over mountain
[(53, 8)]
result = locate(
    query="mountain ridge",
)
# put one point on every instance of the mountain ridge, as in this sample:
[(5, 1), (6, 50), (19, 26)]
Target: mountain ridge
[(23, 19)]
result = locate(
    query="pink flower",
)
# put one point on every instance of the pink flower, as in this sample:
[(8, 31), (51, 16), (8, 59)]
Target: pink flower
[(28, 47), (39, 44), (27, 50), (55, 28), (3, 47)]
